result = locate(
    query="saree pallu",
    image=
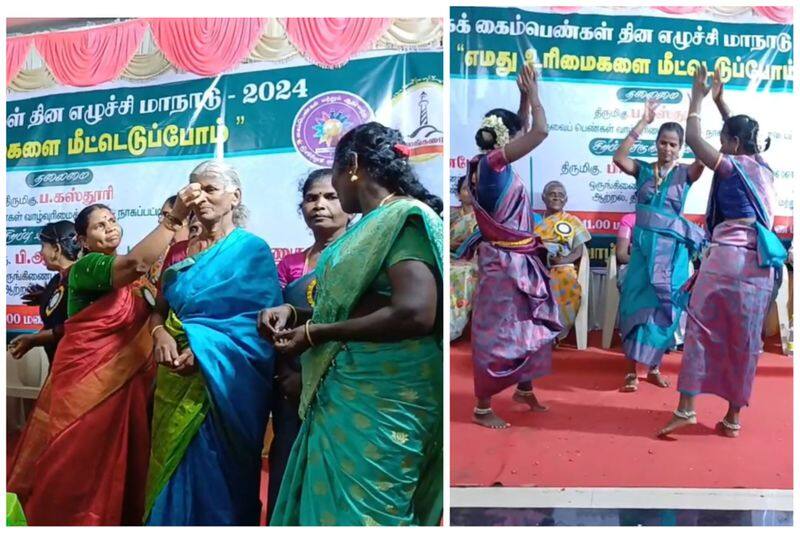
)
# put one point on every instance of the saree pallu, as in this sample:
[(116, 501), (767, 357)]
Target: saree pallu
[(567, 290), (369, 451), (662, 243), (728, 304), (515, 315), (15, 516), (208, 428), (82, 459)]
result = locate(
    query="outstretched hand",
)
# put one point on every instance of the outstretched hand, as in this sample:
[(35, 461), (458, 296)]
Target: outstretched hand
[(699, 87), (716, 86), (527, 81), (650, 108)]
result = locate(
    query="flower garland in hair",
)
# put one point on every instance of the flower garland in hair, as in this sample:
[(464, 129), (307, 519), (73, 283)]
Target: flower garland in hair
[(495, 123)]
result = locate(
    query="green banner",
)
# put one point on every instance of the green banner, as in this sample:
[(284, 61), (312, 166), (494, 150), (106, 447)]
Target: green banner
[(241, 113), (642, 51)]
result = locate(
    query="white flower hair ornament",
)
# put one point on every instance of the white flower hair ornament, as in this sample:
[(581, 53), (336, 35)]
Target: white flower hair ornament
[(495, 123)]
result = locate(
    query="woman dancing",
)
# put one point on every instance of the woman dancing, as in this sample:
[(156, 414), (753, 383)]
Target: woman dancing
[(369, 451), (735, 283), (93, 409), (515, 315), (662, 243)]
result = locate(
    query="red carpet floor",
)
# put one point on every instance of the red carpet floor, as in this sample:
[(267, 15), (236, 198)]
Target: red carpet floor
[(594, 436)]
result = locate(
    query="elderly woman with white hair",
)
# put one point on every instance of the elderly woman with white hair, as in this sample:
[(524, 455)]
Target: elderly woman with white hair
[(213, 388), (565, 237)]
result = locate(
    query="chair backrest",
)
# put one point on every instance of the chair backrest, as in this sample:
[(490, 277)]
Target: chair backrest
[(28, 371)]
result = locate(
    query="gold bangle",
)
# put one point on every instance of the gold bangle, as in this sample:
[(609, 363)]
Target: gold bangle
[(308, 334), (153, 331), (294, 314), (693, 115)]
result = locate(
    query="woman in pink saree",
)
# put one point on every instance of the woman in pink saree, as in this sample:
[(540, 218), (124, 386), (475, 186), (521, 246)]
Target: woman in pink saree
[(732, 292), (515, 315)]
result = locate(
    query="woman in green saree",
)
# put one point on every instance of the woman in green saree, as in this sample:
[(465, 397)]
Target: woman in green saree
[(369, 451)]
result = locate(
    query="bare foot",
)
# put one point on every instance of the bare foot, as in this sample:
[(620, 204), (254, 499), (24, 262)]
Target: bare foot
[(529, 400), (657, 379), (631, 383), (726, 431), (677, 422), (490, 420)]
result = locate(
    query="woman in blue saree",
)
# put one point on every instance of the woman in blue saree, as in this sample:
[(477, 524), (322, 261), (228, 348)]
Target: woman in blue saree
[(213, 389), (662, 243), (369, 451)]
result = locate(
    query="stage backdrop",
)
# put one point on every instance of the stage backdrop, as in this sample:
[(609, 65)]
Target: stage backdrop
[(597, 70), (131, 145)]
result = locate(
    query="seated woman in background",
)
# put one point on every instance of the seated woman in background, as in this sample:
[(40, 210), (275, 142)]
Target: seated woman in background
[(59, 252), (463, 273), (93, 409), (565, 237), (324, 216), (213, 390)]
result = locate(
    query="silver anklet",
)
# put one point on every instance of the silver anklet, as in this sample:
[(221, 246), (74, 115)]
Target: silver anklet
[(685, 415), (731, 426), (525, 393), (480, 411)]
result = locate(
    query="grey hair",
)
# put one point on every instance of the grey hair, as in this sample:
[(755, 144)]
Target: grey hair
[(552, 184), (229, 177)]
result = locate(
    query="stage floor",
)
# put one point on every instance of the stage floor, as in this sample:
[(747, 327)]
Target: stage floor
[(594, 436)]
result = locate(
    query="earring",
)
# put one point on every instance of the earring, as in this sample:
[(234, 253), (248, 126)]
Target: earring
[(354, 178)]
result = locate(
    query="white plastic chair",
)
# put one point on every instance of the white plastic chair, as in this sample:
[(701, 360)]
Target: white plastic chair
[(611, 304), (582, 319), (24, 380), (781, 304)]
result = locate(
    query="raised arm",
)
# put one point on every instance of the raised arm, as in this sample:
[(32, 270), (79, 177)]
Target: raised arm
[(524, 112), (717, 88), (624, 163), (703, 151), (695, 170), (131, 266), (525, 143)]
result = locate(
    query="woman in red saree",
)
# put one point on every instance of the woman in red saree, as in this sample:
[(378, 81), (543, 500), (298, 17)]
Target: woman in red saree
[(82, 458)]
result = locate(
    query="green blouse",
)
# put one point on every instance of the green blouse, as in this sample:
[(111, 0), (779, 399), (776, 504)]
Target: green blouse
[(411, 244), (89, 280)]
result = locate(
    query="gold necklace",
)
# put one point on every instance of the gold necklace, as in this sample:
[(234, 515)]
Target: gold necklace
[(386, 199)]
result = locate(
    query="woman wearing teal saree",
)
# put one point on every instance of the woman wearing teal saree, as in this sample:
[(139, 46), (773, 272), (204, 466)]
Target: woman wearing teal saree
[(369, 451)]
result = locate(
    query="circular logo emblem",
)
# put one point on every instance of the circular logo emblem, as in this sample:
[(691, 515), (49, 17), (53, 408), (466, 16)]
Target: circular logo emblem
[(323, 120), (564, 229), (54, 301)]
